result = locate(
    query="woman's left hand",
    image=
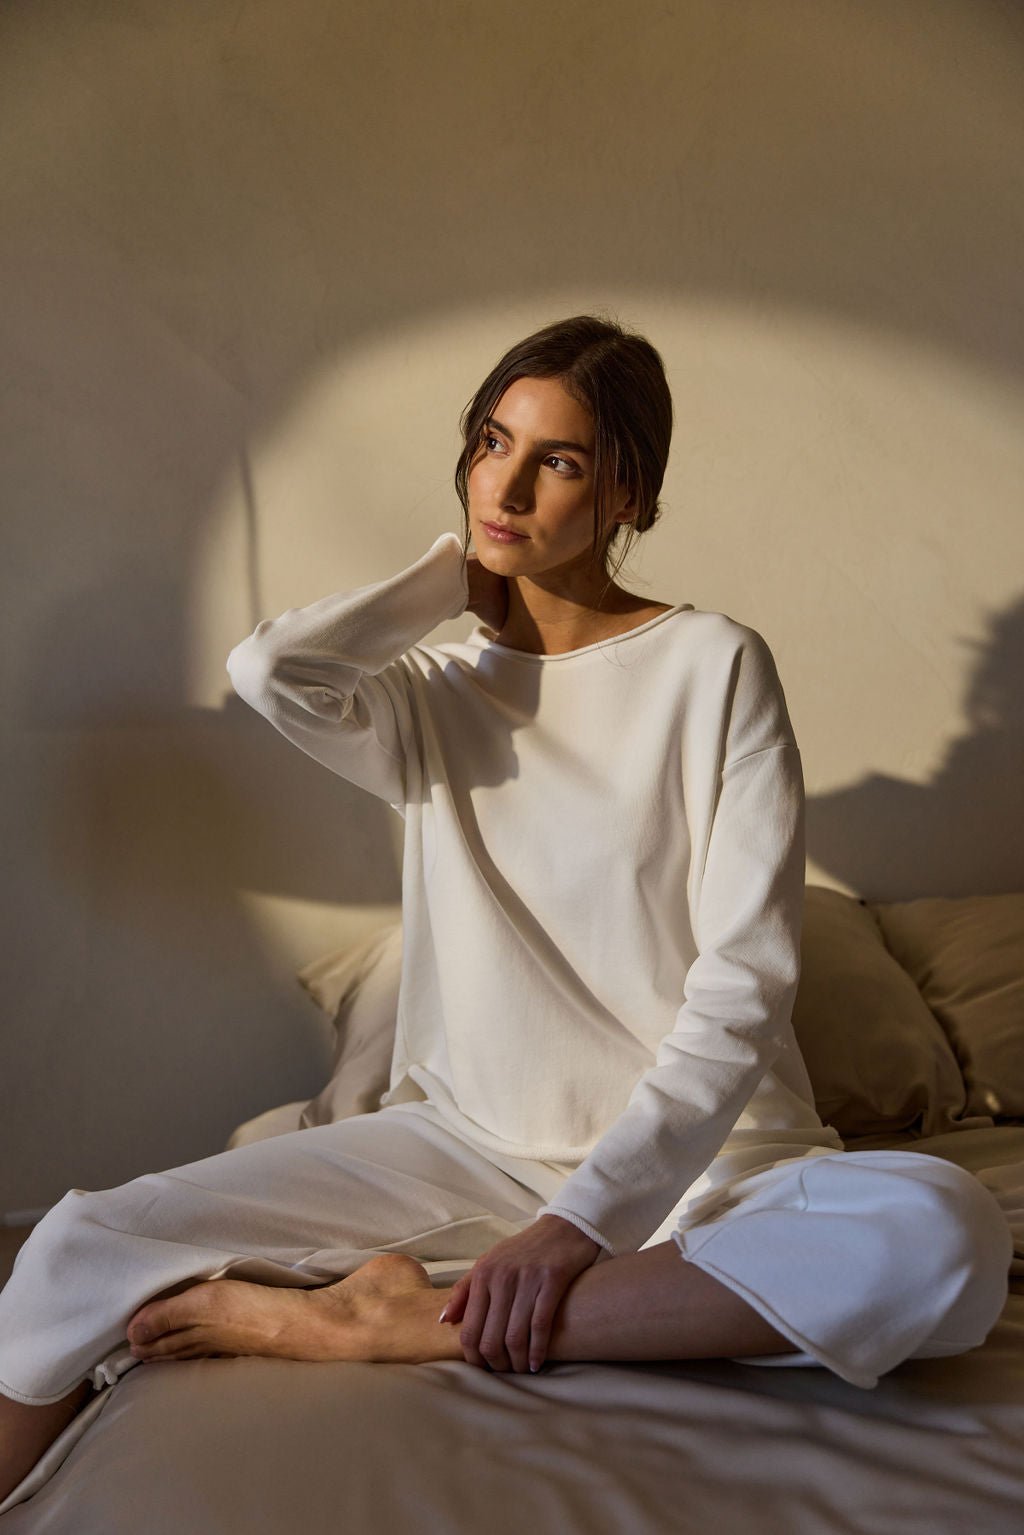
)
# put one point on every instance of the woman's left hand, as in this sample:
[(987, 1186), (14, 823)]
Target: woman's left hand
[(507, 1301)]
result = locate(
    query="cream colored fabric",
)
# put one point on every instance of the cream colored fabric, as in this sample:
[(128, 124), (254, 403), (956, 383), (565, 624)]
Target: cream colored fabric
[(304, 1208), (244, 1447), (600, 947), (967, 957), (797, 1239), (288, 1210)]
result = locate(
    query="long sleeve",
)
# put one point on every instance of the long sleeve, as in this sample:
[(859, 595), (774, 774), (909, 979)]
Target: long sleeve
[(328, 677), (746, 915)]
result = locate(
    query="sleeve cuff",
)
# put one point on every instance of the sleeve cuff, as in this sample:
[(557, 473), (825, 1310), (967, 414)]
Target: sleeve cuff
[(580, 1224), (452, 543)]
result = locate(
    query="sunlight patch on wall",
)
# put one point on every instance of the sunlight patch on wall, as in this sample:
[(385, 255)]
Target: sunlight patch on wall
[(847, 492)]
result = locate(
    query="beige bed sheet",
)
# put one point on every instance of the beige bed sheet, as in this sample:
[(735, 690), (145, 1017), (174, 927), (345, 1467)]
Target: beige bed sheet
[(269, 1447)]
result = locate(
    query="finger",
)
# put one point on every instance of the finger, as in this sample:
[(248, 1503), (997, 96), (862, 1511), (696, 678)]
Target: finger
[(168, 1346), (492, 1338), (456, 1303), (518, 1331), (542, 1324), (473, 1323)]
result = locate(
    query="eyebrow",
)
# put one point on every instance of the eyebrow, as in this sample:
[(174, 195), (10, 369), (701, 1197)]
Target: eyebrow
[(545, 443)]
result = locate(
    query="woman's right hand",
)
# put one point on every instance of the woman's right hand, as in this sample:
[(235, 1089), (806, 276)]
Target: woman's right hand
[(488, 594)]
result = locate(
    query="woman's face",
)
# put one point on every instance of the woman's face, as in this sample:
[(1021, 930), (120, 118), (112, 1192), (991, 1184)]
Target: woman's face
[(534, 473)]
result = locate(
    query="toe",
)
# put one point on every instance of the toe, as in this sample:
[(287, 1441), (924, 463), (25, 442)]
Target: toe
[(173, 1345), (170, 1315), (147, 1325)]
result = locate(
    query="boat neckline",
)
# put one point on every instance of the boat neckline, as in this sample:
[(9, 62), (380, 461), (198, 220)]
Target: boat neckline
[(483, 631)]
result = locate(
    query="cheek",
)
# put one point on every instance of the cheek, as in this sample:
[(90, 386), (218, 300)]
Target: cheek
[(477, 479)]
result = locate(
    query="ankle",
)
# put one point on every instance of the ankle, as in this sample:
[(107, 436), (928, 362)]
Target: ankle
[(28, 1431)]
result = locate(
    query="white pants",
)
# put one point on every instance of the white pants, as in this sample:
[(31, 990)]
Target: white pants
[(861, 1259)]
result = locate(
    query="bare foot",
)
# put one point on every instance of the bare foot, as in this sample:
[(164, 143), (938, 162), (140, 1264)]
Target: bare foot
[(386, 1310)]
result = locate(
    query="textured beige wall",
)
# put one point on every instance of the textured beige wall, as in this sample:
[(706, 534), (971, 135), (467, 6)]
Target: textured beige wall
[(255, 257)]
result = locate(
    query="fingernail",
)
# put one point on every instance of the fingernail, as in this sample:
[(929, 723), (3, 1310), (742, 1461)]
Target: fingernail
[(142, 1335), (444, 1313)]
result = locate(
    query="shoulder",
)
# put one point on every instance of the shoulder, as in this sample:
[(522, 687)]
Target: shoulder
[(736, 673), (723, 637)]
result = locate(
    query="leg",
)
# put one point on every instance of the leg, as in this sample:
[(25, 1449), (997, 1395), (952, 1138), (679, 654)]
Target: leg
[(646, 1305), (653, 1305), (294, 1212), (25, 1432), (864, 1259)]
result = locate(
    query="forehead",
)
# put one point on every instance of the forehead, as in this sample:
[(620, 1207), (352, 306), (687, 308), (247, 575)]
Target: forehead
[(541, 407)]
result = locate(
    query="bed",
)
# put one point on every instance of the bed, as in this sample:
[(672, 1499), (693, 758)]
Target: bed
[(910, 1015)]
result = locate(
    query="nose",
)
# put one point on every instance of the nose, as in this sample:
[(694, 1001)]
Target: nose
[(514, 489), (510, 484)]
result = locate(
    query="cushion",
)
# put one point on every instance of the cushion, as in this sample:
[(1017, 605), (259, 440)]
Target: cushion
[(877, 1059), (358, 988), (967, 957), (279, 1121)]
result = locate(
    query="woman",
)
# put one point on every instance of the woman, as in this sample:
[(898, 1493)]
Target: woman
[(596, 1098)]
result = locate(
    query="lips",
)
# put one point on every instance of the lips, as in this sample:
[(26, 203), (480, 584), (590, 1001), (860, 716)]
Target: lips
[(503, 535)]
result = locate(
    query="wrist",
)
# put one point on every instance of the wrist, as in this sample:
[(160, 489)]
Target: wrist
[(564, 1227), (581, 1227)]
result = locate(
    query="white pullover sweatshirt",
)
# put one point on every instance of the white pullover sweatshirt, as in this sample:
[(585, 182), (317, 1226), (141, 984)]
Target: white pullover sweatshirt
[(602, 882)]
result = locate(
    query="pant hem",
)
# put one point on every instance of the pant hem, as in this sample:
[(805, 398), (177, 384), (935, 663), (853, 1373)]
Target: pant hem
[(42, 1401), (864, 1379)]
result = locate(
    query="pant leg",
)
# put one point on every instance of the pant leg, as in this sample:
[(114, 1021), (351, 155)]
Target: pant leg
[(299, 1209), (861, 1259)]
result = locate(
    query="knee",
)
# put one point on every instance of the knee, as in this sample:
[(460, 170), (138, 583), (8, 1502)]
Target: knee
[(60, 1233), (973, 1223), (971, 1243), (69, 1230)]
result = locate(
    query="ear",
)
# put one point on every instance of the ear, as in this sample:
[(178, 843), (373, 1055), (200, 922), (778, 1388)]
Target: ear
[(627, 511)]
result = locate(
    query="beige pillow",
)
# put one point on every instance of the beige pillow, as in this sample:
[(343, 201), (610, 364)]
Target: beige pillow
[(877, 1059), (358, 988), (262, 1127), (967, 956)]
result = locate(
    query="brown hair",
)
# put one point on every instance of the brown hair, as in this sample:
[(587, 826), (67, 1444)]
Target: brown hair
[(620, 379)]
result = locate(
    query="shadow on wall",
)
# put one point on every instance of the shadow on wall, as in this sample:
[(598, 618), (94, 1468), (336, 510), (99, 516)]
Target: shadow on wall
[(963, 832), (157, 836)]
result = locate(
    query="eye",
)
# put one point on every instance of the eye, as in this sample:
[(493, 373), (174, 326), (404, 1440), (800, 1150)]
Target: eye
[(553, 458)]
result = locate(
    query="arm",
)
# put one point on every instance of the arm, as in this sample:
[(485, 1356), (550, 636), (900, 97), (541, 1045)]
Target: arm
[(746, 911), (327, 675)]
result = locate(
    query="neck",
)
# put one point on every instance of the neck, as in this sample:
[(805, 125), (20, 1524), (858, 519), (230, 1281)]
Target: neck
[(547, 619)]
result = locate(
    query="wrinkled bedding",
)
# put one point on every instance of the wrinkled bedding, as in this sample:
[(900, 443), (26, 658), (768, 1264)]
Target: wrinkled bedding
[(265, 1447)]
